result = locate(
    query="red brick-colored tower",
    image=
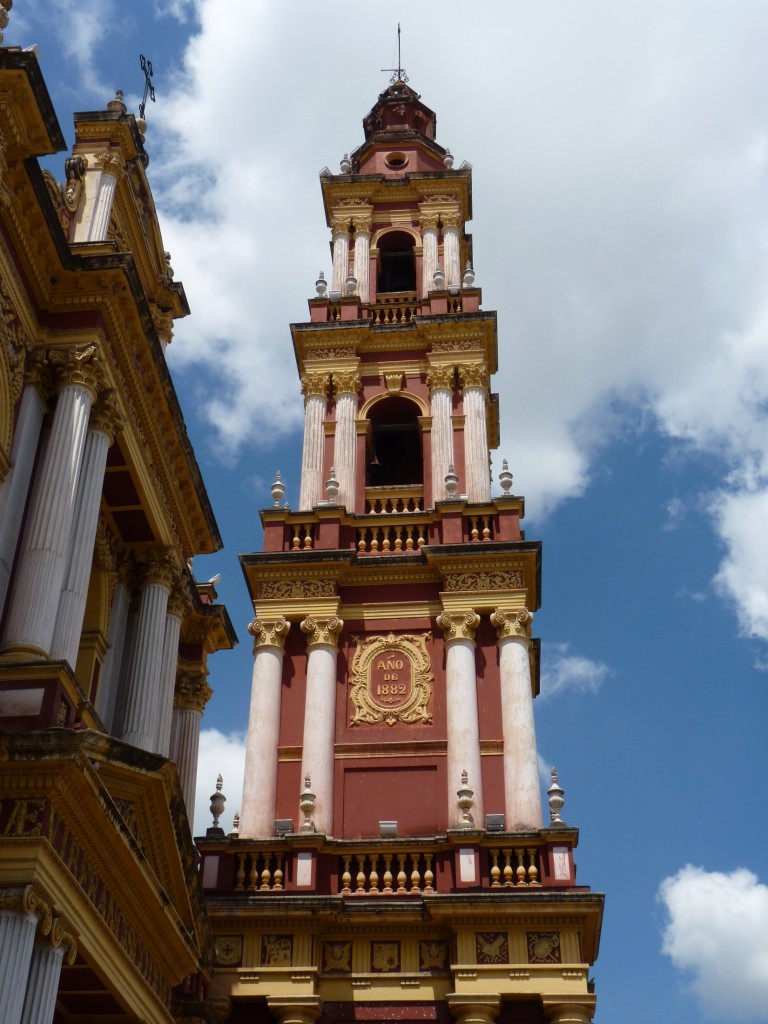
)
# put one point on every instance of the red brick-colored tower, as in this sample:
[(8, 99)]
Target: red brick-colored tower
[(392, 861)]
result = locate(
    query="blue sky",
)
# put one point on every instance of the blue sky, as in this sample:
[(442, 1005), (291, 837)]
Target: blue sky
[(620, 228)]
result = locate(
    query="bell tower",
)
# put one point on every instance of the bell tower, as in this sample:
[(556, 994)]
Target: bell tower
[(391, 858)]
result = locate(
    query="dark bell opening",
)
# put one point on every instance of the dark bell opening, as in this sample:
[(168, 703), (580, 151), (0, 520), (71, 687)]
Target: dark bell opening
[(397, 263)]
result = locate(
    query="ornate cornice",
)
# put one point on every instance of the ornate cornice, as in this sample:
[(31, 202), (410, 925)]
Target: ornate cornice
[(512, 624), (322, 631), (458, 625), (269, 632)]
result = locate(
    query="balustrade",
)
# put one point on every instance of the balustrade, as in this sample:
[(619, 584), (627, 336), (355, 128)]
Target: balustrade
[(391, 539), (302, 536), (390, 874), (478, 528), (259, 871), (514, 867), (394, 500)]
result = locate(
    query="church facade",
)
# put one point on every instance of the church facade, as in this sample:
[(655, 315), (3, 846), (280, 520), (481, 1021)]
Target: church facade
[(391, 859)]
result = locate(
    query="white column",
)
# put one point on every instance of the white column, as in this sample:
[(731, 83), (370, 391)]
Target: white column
[(347, 385), (44, 973), (69, 617), (168, 672), (111, 165), (363, 258), (106, 694), (314, 386), (440, 380), (13, 495), (452, 248), (257, 811), (142, 708), (463, 753), (429, 252), (45, 547), (20, 909), (522, 792), (192, 694), (340, 255), (320, 715), (478, 476)]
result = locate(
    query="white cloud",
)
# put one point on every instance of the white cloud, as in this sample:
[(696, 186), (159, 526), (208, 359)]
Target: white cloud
[(220, 754), (717, 935), (561, 671), (743, 575)]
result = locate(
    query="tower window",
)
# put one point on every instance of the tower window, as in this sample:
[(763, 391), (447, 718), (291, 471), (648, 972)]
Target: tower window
[(397, 266), (395, 458)]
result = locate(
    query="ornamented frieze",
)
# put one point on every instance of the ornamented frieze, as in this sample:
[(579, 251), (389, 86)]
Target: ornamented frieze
[(543, 947), (275, 589), (391, 680), (492, 947), (470, 581)]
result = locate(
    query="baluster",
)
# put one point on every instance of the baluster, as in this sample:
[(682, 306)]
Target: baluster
[(307, 537), (429, 876), (385, 542), (409, 538), (495, 870), (373, 875), (387, 874), (533, 871), (266, 875), (415, 874), (254, 874), (521, 874), (296, 542), (486, 528), (420, 539), (401, 876), (361, 545), (278, 882), (240, 881), (346, 877), (398, 538), (374, 538), (473, 523), (508, 872), (360, 874)]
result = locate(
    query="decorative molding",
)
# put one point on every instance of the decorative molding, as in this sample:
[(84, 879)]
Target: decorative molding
[(272, 589), (394, 382), (512, 624), (470, 581), (269, 632), (543, 947), (459, 625), (492, 947), (391, 680), (322, 631)]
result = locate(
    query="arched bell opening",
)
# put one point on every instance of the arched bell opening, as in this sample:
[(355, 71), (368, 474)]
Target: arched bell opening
[(397, 263), (395, 452)]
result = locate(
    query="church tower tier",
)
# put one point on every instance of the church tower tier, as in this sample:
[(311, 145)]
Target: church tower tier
[(391, 858)]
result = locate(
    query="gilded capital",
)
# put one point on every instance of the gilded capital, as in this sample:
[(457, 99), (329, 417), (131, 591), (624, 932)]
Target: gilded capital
[(340, 224), (78, 365), (161, 568), (451, 219), (346, 382), (109, 162), (192, 692), (179, 599), (104, 415), (440, 377), (361, 220), (314, 384), (473, 375), (269, 632), (429, 219), (322, 631), (39, 373), (458, 625), (511, 623)]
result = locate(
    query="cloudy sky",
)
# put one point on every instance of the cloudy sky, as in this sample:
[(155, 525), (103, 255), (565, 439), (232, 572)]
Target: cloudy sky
[(620, 155)]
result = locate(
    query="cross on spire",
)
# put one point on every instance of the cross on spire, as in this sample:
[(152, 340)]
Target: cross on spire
[(149, 89), (398, 73)]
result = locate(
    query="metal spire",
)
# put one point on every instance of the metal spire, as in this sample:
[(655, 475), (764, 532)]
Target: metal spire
[(398, 73)]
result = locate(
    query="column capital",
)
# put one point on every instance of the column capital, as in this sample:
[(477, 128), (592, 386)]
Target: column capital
[(105, 416), (179, 599), (340, 223), (38, 374), (28, 900), (269, 632), (160, 567), (78, 365), (474, 1009), (314, 384), (361, 219), (110, 162), (560, 1011), (473, 375), (451, 219), (428, 219), (192, 692), (346, 382), (322, 631), (458, 625), (440, 377), (63, 935), (512, 623)]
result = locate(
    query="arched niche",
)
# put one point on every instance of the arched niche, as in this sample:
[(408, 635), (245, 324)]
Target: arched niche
[(396, 270), (395, 457)]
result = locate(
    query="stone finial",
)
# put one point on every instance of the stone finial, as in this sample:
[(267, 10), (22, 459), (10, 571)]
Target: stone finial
[(505, 478), (345, 164), (469, 275), (278, 490), (555, 798), (235, 833), (116, 105), (307, 805), (350, 285), (321, 285), (448, 160), (217, 807), (465, 795), (438, 279), (332, 487), (451, 482)]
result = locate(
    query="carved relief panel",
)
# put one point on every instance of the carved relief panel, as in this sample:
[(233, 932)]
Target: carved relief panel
[(391, 680)]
